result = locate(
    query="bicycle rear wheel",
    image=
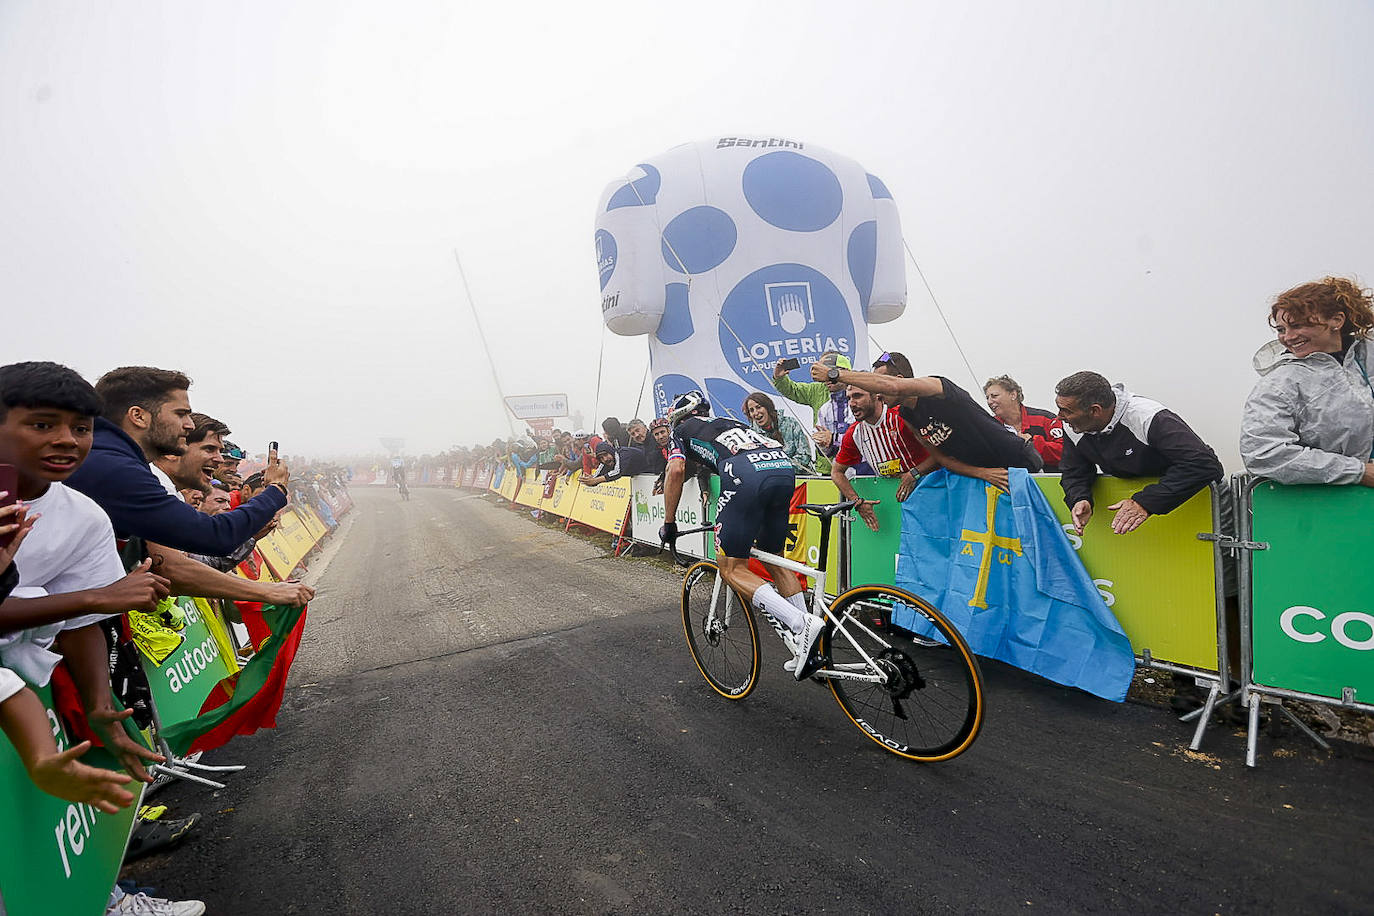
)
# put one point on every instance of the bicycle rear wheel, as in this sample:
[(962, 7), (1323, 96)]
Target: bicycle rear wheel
[(721, 633), (930, 706)]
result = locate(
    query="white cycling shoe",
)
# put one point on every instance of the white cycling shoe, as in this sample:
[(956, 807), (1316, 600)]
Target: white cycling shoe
[(804, 644)]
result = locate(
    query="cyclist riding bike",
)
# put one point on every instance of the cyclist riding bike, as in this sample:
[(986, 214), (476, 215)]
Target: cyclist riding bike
[(756, 484)]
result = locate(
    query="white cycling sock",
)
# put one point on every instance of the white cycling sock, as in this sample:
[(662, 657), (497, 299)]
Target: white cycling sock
[(798, 601), (766, 598)]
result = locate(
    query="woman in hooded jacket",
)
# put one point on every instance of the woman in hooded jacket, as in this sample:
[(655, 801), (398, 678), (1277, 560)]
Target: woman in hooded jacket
[(1310, 417)]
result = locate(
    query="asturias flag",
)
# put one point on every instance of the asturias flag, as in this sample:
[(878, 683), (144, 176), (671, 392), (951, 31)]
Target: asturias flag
[(1000, 567)]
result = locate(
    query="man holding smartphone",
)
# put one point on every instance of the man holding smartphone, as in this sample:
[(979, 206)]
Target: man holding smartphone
[(829, 403)]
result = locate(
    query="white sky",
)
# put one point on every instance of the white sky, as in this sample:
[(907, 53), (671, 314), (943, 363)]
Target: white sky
[(268, 194)]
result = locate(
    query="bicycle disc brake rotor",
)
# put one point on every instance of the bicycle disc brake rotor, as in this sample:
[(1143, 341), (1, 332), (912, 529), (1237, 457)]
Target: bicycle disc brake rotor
[(712, 629), (902, 674)]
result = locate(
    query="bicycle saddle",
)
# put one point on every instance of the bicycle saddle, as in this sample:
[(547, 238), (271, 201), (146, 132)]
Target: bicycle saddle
[(829, 510)]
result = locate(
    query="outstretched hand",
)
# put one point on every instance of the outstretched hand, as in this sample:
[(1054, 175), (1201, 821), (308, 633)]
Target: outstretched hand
[(66, 777)]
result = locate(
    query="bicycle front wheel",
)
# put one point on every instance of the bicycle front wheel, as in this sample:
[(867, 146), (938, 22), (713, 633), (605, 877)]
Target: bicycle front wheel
[(721, 633), (929, 703)]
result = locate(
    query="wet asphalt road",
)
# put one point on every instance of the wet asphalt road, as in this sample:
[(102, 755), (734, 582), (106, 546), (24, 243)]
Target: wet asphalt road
[(490, 716)]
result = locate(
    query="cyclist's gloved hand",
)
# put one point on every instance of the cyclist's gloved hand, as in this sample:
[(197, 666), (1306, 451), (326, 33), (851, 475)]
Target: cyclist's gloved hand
[(668, 533)]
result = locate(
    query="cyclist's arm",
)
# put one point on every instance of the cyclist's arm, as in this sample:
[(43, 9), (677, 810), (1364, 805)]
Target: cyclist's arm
[(673, 476)]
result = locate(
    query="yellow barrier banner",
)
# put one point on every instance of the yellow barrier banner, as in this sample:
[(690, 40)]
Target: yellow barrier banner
[(313, 523), (510, 482), (531, 489), (604, 506), (564, 495), (1158, 580), (287, 544)]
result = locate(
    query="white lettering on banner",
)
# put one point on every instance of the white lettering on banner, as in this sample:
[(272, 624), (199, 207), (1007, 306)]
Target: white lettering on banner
[(1075, 539), (776, 349), (1340, 627), (191, 663), (72, 831), (1104, 589)]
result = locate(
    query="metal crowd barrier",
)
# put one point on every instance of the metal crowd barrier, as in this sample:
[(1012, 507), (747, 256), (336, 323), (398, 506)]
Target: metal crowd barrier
[(1306, 622), (1306, 627)]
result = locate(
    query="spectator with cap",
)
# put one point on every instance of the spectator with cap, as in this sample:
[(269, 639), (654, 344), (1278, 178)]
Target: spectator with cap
[(1127, 435), (615, 462), (829, 402), (1040, 428), (656, 447), (230, 455), (586, 449)]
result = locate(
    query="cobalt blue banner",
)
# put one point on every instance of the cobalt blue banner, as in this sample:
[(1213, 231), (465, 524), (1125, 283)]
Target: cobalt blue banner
[(735, 252), (1000, 567)]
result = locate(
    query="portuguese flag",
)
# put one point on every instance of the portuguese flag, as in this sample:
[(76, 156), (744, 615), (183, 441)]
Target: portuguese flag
[(249, 699)]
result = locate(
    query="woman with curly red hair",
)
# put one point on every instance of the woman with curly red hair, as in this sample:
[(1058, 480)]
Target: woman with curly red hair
[(1310, 418)]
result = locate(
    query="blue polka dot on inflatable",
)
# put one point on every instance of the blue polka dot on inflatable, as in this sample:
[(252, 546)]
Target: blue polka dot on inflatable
[(879, 189), (669, 386), (863, 258), (727, 398), (605, 256), (698, 240), (782, 311), (676, 324), (637, 193), (792, 191)]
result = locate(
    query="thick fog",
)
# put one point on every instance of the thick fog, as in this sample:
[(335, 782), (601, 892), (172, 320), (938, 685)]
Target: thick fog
[(269, 195)]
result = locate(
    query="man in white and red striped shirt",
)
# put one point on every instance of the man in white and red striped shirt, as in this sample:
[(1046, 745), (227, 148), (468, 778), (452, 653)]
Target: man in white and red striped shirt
[(879, 437)]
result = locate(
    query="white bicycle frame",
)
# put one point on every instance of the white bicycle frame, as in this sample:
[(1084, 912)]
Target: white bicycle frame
[(868, 670)]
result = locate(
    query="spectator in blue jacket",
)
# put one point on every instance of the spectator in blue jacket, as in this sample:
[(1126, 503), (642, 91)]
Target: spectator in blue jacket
[(148, 414)]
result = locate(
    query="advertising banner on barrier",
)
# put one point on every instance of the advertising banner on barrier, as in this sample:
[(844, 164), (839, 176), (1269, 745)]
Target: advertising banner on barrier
[(287, 544), (182, 678), (603, 506), (510, 483), (314, 525), (804, 531), (1158, 580), (1313, 623), (60, 857), (648, 512), (481, 477), (560, 501), (469, 475), (532, 489), (498, 474)]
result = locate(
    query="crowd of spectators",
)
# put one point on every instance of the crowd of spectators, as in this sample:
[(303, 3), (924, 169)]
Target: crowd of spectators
[(125, 497)]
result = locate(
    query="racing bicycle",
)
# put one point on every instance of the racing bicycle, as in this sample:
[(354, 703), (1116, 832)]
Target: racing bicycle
[(900, 671)]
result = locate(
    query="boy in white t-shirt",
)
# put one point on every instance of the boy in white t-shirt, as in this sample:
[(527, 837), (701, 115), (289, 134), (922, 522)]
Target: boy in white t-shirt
[(24, 721), (70, 574)]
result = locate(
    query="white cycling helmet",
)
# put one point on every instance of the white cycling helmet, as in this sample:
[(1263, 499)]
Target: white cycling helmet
[(693, 403)]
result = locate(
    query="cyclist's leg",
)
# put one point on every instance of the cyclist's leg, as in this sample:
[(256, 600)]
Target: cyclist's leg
[(775, 499), (744, 513)]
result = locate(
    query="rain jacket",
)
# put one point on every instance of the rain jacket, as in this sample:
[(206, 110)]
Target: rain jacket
[(1310, 419), (1143, 439)]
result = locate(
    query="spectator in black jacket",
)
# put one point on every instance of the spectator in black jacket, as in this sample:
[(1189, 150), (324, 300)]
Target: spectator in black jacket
[(1127, 435)]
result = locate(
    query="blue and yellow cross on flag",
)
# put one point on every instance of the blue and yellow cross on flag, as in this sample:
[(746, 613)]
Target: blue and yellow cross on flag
[(1000, 567)]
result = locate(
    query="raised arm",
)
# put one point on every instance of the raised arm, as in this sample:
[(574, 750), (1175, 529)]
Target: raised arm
[(889, 386)]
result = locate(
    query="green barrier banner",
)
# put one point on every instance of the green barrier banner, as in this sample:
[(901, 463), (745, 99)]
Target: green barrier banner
[(873, 554), (60, 857), (1313, 617), (185, 678), (1158, 580)]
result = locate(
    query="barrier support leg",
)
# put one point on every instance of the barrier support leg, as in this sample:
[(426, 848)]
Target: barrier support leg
[(1252, 733), (1302, 726), (1204, 716)]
